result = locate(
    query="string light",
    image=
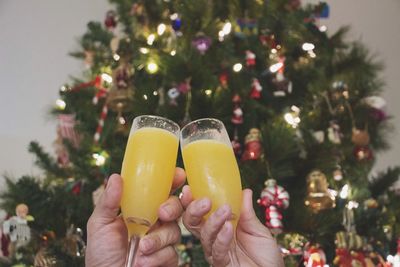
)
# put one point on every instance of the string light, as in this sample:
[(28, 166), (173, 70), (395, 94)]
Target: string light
[(274, 51), (312, 54), (121, 120), (161, 29), (145, 97), (63, 88), (237, 67), (106, 77), (226, 30), (151, 38), (308, 46), (155, 93), (60, 104), (293, 117), (116, 57), (352, 205), (100, 160), (275, 67), (344, 193), (174, 16), (173, 53), (152, 67), (323, 28), (208, 92), (144, 50)]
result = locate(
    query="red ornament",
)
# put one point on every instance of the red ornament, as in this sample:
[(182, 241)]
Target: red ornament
[(110, 21), (268, 39), (314, 256), (274, 198), (250, 58), (342, 258), (237, 146), (363, 153), (253, 148), (185, 86), (256, 89), (223, 79), (77, 188)]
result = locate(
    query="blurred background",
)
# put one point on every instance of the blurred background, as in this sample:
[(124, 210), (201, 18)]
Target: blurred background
[(36, 37)]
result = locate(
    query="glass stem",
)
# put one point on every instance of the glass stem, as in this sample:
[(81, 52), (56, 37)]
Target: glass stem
[(132, 250)]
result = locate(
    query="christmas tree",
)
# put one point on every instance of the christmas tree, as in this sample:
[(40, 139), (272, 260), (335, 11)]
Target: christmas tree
[(301, 105)]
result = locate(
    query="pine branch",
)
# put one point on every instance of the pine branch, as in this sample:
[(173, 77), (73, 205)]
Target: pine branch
[(384, 181), (44, 161)]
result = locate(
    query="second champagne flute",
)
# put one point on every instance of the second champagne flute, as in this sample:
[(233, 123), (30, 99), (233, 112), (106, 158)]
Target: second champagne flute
[(211, 168), (147, 172)]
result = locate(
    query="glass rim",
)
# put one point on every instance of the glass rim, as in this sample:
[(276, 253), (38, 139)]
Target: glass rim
[(202, 119), (178, 128)]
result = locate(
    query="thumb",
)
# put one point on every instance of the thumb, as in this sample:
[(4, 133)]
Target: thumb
[(107, 208), (248, 220)]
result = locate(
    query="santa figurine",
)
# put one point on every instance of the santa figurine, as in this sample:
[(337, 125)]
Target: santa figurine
[(256, 89), (237, 116), (17, 228), (250, 58)]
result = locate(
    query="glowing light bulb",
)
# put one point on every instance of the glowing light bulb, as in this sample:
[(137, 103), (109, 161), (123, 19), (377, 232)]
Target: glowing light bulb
[(174, 16), (60, 104), (308, 46), (161, 29), (226, 29), (274, 51), (208, 92), (106, 77), (344, 193), (145, 97), (275, 67), (173, 53), (352, 205), (116, 57), (237, 67), (151, 38), (155, 93), (144, 50), (152, 67), (121, 120), (100, 160), (323, 28)]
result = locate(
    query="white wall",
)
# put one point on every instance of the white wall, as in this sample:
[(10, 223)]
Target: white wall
[(37, 35)]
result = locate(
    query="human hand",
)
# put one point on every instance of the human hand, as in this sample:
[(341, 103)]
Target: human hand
[(255, 246), (107, 241)]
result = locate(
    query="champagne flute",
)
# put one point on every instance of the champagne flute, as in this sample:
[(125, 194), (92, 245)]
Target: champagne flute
[(147, 172), (211, 168)]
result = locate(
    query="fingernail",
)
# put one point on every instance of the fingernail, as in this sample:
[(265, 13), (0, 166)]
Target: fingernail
[(202, 204), (167, 208), (147, 244), (181, 195), (222, 210)]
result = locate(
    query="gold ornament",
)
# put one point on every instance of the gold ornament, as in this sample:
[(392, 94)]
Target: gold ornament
[(318, 198), (121, 93)]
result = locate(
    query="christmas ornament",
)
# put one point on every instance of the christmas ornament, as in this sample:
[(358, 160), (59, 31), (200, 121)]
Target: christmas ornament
[(334, 133), (395, 260), (245, 27), (357, 259), (321, 10), (110, 21), (185, 87), (89, 58), (375, 102), (318, 198), (294, 244), (176, 22), (363, 153), (73, 242), (253, 147), (282, 85), (173, 94), (99, 129), (360, 137), (237, 146), (250, 58), (342, 258), (314, 256), (268, 39), (17, 228), (202, 43), (256, 89), (122, 75), (237, 116), (371, 203), (223, 79), (43, 259), (274, 198), (338, 174)]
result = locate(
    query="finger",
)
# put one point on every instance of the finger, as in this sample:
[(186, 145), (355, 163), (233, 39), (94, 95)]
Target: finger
[(221, 246), (170, 210), (186, 196), (248, 220), (166, 257), (166, 235), (212, 226), (179, 179), (193, 216), (107, 207)]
